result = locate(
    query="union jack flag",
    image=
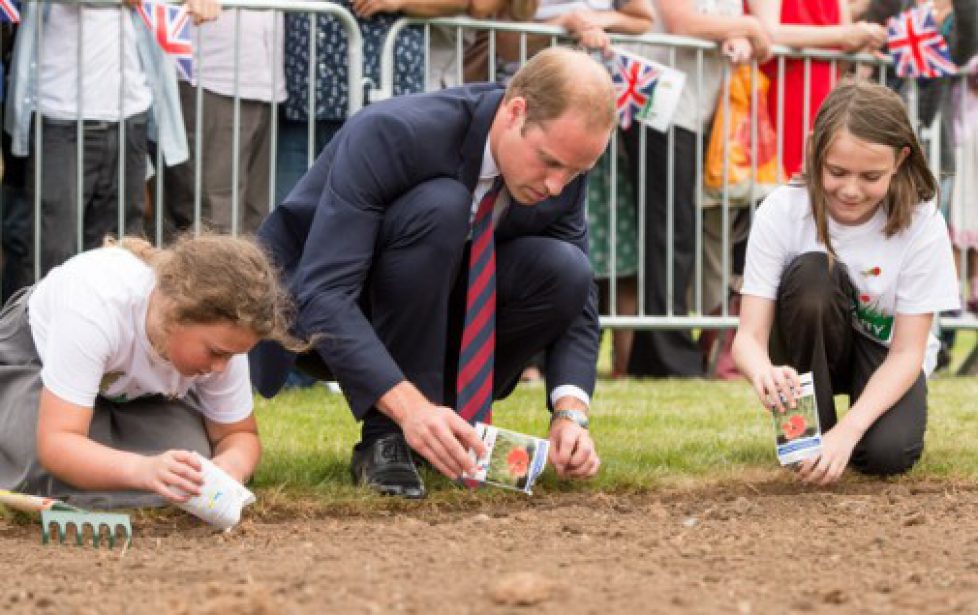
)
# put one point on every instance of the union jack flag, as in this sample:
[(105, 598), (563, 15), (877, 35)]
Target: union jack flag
[(9, 11), (170, 26), (917, 47), (635, 82)]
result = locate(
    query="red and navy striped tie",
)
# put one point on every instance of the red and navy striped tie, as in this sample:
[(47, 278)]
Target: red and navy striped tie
[(475, 362)]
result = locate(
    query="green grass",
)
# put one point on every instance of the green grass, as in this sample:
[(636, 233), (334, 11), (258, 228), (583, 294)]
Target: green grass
[(650, 434)]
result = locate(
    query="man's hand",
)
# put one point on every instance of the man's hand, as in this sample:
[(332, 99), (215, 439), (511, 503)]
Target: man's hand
[(435, 432), (442, 437), (572, 450)]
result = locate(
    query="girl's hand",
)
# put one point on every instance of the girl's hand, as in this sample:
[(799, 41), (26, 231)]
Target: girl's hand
[(837, 445), (738, 50), (777, 387), (175, 475)]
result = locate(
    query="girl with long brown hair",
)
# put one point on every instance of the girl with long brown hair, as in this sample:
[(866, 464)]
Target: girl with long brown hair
[(845, 270)]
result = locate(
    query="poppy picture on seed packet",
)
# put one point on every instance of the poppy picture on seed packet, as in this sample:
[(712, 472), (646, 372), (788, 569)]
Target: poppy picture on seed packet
[(797, 432), (512, 460), (798, 422)]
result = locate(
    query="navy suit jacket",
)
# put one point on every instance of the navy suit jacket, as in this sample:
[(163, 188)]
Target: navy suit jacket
[(323, 236)]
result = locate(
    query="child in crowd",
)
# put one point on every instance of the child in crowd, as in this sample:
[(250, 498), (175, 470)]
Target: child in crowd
[(97, 63), (125, 359), (256, 77), (845, 270)]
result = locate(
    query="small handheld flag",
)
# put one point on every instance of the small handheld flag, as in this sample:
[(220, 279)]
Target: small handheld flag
[(634, 82), (916, 45), (170, 26)]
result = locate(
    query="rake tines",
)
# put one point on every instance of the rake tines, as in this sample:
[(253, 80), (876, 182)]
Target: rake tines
[(63, 519)]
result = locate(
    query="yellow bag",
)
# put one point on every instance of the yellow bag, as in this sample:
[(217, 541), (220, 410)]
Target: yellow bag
[(738, 139)]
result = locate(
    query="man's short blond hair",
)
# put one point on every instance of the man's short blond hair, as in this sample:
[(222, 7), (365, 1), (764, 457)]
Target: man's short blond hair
[(559, 79)]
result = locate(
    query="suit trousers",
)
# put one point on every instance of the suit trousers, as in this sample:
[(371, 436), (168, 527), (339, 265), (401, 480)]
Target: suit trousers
[(813, 331), (415, 295)]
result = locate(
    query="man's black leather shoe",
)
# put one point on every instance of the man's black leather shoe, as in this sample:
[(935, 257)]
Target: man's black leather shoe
[(385, 466)]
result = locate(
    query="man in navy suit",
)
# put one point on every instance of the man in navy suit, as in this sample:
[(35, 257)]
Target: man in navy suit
[(373, 244)]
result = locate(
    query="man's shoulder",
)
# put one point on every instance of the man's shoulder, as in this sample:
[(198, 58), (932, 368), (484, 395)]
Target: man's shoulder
[(434, 107)]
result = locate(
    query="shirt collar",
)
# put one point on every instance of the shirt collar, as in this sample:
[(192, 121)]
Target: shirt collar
[(488, 170)]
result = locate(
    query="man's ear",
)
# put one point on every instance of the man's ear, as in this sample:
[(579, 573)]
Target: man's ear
[(515, 111)]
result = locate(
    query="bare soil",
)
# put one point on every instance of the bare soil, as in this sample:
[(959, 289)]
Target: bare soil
[(767, 547)]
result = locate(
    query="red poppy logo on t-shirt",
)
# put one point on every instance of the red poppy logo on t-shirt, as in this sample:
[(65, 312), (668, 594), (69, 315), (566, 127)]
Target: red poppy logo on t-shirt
[(872, 272)]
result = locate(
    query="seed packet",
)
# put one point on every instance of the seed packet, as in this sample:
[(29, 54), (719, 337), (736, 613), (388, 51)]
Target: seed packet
[(797, 432), (513, 460)]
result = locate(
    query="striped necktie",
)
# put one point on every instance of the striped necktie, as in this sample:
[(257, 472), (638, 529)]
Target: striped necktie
[(475, 361)]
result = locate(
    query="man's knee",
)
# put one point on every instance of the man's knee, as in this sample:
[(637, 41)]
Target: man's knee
[(566, 277), (434, 214)]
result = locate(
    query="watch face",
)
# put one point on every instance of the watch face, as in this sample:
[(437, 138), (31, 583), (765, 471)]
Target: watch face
[(572, 415)]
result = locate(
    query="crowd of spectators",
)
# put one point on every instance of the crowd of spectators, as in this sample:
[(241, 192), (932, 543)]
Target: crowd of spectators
[(251, 90)]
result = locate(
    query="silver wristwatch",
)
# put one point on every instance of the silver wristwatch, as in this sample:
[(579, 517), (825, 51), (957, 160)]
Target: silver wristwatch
[(571, 415)]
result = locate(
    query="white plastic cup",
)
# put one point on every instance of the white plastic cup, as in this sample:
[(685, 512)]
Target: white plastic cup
[(221, 497)]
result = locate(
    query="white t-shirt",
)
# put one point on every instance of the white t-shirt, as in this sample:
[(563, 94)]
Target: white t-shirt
[(911, 272), (99, 61), (88, 320), (261, 40)]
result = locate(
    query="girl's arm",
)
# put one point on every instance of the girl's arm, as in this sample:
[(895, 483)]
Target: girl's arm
[(64, 448), (771, 383), (236, 446), (891, 380), (846, 36)]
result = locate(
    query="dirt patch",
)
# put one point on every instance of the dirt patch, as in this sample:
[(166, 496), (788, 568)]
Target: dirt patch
[(762, 548)]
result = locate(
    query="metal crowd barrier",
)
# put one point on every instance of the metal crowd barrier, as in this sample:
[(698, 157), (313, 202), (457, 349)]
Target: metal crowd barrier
[(699, 316), (311, 8)]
